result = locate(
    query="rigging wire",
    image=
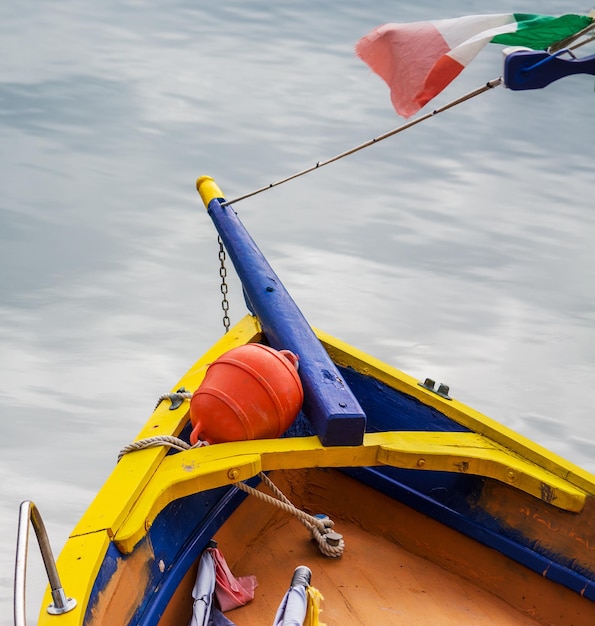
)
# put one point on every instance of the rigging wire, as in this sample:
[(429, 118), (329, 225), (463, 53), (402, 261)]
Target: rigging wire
[(472, 94), (561, 46), (565, 43)]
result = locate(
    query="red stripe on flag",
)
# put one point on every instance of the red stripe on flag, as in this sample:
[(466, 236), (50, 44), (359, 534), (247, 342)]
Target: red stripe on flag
[(403, 55), (445, 70)]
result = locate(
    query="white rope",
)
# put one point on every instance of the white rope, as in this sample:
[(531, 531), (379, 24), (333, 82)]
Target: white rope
[(330, 543), (159, 440)]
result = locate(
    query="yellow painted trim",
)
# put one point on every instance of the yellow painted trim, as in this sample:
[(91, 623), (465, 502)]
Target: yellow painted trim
[(208, 189), (144, 482), (78, 565), (129, 477), (201, 469), (346, 355), (124, 486)]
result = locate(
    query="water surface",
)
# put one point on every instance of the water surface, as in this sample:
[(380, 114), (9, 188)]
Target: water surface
[(460, 250)]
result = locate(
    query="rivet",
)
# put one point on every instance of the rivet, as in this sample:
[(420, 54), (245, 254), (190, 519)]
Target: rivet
[(511, 475), (421, 462), (233, 473)]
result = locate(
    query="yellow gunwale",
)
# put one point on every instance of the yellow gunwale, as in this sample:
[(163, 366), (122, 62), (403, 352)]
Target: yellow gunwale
[(501, 448), (205, 468), (130, 491), (345, 355)]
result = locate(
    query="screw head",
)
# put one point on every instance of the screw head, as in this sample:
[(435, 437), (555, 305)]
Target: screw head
[(233, 473), (511, 475)]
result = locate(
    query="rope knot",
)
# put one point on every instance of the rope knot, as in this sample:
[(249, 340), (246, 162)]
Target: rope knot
[(323, 522), (330, 543), (320, 526)]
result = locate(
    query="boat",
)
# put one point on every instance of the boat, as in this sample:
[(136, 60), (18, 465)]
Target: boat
[(288, 469)]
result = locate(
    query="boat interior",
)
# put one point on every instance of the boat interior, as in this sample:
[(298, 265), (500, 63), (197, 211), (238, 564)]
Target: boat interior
[(398, 566)]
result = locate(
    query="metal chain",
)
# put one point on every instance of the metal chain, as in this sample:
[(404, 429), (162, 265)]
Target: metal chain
[(223, 274)]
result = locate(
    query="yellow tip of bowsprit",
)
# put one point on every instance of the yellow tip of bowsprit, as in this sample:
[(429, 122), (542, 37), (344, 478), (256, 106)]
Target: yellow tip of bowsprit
[(208, 189)]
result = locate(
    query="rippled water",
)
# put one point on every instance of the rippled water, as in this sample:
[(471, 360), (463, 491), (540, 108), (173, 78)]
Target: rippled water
[(461, 249)]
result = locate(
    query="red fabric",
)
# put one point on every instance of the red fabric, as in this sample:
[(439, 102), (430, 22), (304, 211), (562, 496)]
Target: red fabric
[(403, 55), (231, 592)]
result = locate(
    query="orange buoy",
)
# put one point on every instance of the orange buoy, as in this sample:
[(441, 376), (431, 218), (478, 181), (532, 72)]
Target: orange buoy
[(250, 392)]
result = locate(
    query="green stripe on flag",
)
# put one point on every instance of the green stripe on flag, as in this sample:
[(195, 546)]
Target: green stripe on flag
[(539, 32)]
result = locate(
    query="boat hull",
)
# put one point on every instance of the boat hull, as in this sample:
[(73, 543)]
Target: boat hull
[(131, 556)]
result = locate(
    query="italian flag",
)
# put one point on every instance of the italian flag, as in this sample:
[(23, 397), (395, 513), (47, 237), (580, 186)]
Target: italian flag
[(418, 60)]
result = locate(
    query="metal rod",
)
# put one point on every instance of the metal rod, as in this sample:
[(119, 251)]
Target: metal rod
[(28, 512), (476, 92), (565, 43)]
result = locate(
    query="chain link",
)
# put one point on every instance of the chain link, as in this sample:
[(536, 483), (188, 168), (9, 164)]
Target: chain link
[(223, 274)]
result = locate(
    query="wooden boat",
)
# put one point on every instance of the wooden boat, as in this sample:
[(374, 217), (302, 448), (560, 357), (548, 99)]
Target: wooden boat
[(446, 516), (407, 506)]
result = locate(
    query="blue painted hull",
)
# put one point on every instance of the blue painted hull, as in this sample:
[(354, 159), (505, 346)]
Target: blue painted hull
[(452, 499), (528, 511)]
